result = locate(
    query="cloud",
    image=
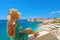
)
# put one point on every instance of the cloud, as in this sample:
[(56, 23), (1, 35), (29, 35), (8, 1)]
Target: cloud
[(55, 12), (58, 11)]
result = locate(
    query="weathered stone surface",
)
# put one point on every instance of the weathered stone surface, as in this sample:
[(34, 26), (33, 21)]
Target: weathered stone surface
[(44, 36), (31, 38)]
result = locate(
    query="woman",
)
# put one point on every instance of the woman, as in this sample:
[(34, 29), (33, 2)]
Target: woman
[(14, 29)]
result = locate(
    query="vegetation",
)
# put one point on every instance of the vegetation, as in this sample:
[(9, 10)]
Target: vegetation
[(56, 20)]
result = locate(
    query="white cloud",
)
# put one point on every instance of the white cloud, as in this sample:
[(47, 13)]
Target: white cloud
[(58, 11), (54, 12)]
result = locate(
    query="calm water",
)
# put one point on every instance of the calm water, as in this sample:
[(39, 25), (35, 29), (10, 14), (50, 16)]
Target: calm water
[(25, 24)]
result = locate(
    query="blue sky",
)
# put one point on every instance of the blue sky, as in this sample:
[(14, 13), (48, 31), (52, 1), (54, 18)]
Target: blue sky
[(31, 8)]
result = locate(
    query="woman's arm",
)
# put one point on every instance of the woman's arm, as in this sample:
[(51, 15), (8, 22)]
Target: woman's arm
[(30, 31)]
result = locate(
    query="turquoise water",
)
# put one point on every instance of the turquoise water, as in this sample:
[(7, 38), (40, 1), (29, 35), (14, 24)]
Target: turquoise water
[(25, 24)]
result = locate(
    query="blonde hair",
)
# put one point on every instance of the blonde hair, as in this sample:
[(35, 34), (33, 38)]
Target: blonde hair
[(14, 14)]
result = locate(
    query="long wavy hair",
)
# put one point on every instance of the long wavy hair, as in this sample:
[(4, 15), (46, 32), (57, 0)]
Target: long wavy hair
[(12, 19)]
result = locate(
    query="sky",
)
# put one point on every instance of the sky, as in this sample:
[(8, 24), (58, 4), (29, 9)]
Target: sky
[(31, 8)]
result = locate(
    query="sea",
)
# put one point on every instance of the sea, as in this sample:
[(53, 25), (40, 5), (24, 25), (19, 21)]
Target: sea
[(24, 23)]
